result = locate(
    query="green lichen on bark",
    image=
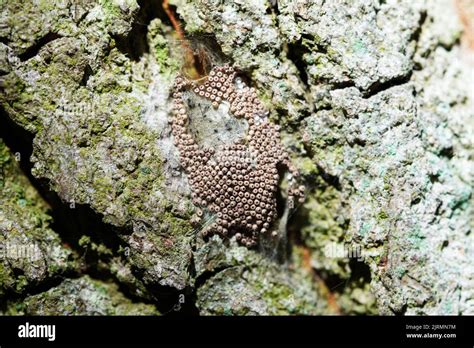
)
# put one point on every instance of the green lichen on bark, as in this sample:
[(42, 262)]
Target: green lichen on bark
[(82, 296), (238, 281), (91, 137), (31, 253), (376, 113)]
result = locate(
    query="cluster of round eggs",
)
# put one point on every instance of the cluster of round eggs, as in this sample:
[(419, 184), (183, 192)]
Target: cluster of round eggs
[(236, 184)]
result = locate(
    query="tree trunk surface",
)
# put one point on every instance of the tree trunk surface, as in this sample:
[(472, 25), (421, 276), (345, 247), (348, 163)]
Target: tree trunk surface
[(376, 107)]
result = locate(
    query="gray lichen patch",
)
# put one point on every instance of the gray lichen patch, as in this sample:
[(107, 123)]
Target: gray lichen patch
[(403, 189), (391, 184), (363, 44), (82, 296)]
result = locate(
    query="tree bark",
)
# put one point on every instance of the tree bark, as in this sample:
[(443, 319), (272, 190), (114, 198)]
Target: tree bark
[(376, 107)]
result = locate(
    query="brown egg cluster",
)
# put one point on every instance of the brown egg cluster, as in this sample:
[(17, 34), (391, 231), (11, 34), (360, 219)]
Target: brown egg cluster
[(236, 184)]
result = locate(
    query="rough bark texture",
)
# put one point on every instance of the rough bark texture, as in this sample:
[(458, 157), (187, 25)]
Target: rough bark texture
[(375, 101)]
